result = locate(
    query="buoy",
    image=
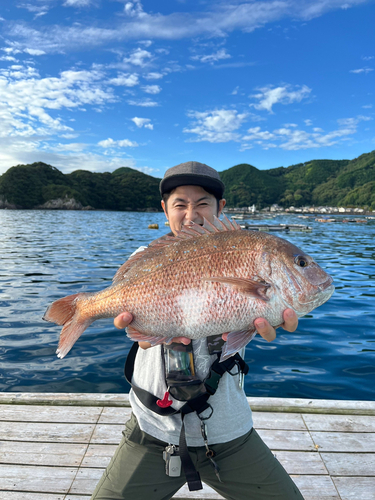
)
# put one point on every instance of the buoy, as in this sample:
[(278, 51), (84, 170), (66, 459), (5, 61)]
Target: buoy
[(153, 226)]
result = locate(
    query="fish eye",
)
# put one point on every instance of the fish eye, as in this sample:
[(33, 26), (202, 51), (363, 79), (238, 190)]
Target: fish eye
[(301, 261)]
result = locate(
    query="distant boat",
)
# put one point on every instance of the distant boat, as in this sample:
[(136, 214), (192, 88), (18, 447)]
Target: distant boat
[(325, 220), (361, 221)]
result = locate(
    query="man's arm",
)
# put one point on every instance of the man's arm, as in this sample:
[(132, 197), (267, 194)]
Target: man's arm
[(263, 327)]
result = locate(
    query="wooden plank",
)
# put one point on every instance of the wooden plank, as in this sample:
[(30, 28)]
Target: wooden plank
[(206, 493), (288, 405), (275, 439), (23, 495), (85, 481), (98, 455), (287, 440), (300, 405), (301, 462), (340, 423), (38, 479), (280, 421), (114, 415), (316, 487), (294, 462), (107, 434), (30, 431), (38, 413), (53, 454), (344, 442), (355, 488), (64, 399), (350, 464)]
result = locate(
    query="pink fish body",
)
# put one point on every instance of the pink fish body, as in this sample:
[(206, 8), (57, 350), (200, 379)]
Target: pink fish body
[(206, 281)]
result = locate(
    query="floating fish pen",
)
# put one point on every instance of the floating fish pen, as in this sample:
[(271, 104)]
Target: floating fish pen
[(276, 227)]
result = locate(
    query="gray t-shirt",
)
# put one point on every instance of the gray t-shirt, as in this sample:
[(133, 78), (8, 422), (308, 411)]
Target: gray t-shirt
[(230, 419)]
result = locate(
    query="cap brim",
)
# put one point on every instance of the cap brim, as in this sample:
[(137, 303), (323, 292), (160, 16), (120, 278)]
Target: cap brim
[(212, 185)]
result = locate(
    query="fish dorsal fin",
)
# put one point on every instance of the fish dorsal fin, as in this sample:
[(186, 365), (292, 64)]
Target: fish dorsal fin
[(187, 232)]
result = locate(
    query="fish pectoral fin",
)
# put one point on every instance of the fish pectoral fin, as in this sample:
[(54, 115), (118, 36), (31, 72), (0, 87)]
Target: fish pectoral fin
[(236, 341), (256, 289), (138, 336)]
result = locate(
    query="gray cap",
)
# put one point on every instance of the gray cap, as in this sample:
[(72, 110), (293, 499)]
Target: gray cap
[(192, 173)]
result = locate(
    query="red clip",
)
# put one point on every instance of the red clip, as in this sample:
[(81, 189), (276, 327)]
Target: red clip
[(165, 402)]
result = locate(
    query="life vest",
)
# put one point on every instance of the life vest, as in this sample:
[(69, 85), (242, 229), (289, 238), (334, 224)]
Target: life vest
[(200, 392)]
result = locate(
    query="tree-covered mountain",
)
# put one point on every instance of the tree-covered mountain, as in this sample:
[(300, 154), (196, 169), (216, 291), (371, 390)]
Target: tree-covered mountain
[(30, 186), (317, 182)]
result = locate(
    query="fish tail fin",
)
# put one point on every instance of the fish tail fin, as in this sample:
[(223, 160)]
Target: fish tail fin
[(66, 312)]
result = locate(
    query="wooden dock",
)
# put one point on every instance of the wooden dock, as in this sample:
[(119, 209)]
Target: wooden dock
[(56, 446)]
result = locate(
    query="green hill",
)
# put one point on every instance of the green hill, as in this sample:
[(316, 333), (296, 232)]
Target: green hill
[(317, 182), (29, 186)]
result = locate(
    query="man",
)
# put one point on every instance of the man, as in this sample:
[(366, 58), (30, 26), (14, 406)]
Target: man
[(225, 449)]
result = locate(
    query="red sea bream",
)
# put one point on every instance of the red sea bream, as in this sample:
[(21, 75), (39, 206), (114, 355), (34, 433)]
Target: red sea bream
[(204, 281)]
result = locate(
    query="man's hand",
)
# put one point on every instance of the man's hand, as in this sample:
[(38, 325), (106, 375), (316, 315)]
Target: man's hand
[(124, 319), (268, 332)]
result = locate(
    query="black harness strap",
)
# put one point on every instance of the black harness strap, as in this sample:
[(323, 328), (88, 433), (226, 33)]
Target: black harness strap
[(198, 404)]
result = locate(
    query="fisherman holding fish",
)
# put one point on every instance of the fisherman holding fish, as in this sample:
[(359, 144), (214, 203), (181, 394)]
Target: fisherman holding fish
[(194, 299)]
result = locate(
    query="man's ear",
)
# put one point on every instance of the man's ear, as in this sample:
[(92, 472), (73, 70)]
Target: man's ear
[(164, 207), (222, 204)]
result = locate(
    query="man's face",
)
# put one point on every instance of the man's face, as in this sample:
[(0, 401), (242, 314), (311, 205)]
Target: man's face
[(190, 203)]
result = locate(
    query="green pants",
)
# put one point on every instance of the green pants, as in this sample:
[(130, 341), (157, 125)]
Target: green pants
[(248, 470)]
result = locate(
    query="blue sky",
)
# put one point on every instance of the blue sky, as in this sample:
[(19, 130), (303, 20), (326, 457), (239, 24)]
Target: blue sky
[(97, 84)]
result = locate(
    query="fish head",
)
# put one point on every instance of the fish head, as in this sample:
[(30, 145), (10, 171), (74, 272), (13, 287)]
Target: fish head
[(300, 281)]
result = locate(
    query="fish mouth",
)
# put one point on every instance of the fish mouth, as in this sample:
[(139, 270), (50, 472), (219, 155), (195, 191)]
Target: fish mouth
[(325, 285), (323, 293)]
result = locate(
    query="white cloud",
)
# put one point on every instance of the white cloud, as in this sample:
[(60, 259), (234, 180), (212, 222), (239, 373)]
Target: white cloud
[(153, 75), (143, 122), (214, 19), (257, 134), (269, 96), (38, 10), (139, 57), (8, 58), (77, 3), (134, 9), (125, 79), (124, 143), (292, 139), (144, 103), (211, 58), (216, 126), (308, 123), (152, 89), (361, 70), (72, 146), (34, 52), (29, 104)]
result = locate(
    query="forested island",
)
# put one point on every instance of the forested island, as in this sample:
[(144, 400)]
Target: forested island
[(347, 183)]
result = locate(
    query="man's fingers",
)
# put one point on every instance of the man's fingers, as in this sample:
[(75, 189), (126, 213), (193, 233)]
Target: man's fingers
[(181, 340), (265, 329), (123, 320), (290, 320)]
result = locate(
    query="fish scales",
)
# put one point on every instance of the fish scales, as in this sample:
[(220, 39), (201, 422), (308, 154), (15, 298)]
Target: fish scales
[(199, 285), (177, 302)]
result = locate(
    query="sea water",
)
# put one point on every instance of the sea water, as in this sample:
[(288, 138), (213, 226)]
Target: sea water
[(46, 255)]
